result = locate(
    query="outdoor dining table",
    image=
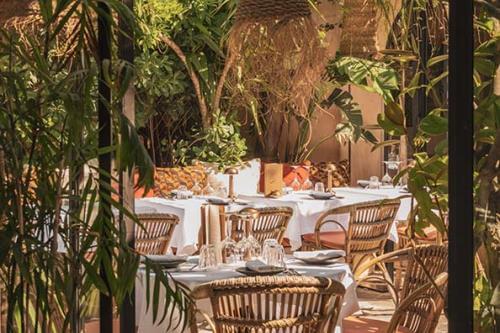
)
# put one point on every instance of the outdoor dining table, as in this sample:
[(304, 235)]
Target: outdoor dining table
[(191, 278), (306, 212)]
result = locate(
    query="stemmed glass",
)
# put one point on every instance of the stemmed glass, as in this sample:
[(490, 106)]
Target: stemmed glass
[(391, 168), (295, 183), (307, 185), (229, 245), (248, 247), (208, 257), (196, 189)]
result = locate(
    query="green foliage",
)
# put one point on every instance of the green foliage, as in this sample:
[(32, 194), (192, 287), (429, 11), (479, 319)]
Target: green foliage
[(372, 76), (220, 144), (168, 108), (48, 138), (428, 178)]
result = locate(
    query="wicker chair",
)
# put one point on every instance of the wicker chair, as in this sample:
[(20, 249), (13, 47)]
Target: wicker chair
[(423, 263), (269, 222), (368, 229), (417, 313), (155, 237), (272, 304)]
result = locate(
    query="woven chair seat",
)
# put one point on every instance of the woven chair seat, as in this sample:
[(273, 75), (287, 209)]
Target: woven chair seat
[(357, 325)]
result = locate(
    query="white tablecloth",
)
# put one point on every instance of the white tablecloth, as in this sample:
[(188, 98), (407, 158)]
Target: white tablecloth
[(340, 272), (306, 212)]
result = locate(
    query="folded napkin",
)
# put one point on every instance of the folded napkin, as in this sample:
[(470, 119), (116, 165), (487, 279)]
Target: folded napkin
[(259, 266), (166, 258)]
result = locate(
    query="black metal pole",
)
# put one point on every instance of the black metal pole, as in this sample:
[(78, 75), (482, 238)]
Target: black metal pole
[(461, 256), (104, 119), (126, 53)]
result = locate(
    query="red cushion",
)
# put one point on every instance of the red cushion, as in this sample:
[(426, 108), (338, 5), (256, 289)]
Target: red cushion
[(366, 325), (331, 239)]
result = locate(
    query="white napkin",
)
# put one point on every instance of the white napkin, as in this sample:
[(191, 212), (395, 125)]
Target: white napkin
[(258, 266)]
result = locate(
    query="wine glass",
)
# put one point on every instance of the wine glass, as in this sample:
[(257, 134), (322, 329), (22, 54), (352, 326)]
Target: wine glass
[(208, 257), (229, 245), (307, 184), (222, 192), (196, 189), (295, 183)]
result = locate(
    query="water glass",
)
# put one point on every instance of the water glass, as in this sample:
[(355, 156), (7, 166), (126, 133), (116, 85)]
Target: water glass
[(374, 183), (208, 257), (273, 253), (319, 187)]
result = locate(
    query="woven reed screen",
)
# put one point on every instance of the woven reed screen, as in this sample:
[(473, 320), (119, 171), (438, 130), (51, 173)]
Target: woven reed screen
[(257, 10)]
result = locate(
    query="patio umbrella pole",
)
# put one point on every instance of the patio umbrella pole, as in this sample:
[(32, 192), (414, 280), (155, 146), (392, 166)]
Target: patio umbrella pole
[(126, 53), (461, 258), (104, 125)]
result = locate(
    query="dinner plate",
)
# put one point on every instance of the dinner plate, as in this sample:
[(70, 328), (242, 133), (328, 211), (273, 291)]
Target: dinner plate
[(322, 195), (319, 257), (250, 272), (167, 261), (218, 201)]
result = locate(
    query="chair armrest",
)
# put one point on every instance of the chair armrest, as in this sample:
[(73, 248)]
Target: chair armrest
[(394, 256), (317, 231), (415, 296)]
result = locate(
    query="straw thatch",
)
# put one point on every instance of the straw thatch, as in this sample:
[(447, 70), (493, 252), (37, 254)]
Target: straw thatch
[(359, 28), (275, 49)]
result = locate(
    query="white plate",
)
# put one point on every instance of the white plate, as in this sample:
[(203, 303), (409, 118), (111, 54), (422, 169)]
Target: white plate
[(319, 257)]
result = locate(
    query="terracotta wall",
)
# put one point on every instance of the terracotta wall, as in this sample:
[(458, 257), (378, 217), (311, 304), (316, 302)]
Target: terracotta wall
[(364, 162)]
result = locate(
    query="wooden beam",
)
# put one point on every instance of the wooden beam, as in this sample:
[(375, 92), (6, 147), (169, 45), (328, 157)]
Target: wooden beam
[(104, 125), (461, 257)]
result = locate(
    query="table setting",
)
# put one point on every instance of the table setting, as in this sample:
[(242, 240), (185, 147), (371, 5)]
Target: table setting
[(193, 271)]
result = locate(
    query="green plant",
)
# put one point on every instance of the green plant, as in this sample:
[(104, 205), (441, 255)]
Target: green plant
[(52, 248), (179, 61), (427, 177), (220, 144)]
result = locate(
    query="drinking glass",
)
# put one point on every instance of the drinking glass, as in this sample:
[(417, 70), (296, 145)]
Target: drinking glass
[(295, 183), (319, 187), (307, 185), (196, 189), (222, 192), (230, 252), (182, 192), (374, 183), (208, 257), (273, 253)]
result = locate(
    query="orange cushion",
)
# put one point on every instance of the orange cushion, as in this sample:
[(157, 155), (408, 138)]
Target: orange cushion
[(330, 239), (366, 325)]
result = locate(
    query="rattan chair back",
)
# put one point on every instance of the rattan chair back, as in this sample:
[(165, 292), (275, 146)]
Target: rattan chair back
[(273, 303), (270, 222), (368, 227), (155, 237)]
